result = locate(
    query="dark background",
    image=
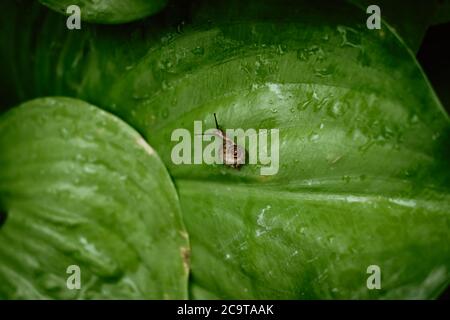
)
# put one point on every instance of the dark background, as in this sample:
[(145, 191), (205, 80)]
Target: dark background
[(434, 56)]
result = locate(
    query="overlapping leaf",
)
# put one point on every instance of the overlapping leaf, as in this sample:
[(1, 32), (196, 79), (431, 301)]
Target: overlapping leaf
[(82, 188), (115, 11)]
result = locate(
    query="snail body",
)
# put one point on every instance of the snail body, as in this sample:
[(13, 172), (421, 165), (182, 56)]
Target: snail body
[(231, 154)]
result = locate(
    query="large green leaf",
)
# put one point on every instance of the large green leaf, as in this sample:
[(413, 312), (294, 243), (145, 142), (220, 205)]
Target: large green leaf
[(109, 11), (82, 188), (363, 179), (364, 175)]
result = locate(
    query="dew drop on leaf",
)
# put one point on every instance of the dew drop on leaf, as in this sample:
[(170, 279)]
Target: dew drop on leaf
[(313, 136), (303, 105), (88, 137), (64, 132), (198, 51), (165, 113)]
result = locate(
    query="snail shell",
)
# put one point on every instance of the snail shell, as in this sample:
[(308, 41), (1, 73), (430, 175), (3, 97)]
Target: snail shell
[(231, 154)]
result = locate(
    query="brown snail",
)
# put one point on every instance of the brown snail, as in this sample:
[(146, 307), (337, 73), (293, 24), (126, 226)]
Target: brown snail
[(231, 154)]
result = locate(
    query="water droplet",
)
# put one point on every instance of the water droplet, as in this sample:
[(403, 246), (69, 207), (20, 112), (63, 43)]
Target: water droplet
[(337, 109), (198, 51), (64, 132), (313, 137), (313, 52), (180, 27), (324, 72), (414, 119), (303, 105), (282, 49), (88, 137), (140, 96), (165, 85), (301, 55), (80, 157), (350, 37), (89, 169)]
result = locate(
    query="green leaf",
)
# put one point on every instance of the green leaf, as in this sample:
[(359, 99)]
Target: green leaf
[(111, 11), (410, 20), (81, 187), (364, 175)]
